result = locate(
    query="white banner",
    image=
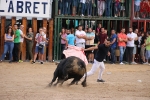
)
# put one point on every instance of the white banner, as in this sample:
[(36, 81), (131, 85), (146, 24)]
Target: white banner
[(26, 8)]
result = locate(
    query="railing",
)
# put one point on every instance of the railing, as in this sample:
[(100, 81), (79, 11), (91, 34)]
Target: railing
[(62, 8)]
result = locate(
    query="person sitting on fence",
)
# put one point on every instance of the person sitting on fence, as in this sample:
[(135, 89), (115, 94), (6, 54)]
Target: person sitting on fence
[(40, 38), (8, 44)]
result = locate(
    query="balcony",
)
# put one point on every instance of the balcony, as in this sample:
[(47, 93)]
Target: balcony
[(67, 10)]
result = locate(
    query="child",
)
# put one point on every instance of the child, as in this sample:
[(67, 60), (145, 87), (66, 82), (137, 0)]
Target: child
[(147, 45), (103, 49), (117, 8)]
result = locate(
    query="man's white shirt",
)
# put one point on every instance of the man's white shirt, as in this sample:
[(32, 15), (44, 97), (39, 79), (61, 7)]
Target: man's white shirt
[(80, 33), (133, 36)]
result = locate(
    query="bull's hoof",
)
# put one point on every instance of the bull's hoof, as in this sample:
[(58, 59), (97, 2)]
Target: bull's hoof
[(55, 85), (84, 84), (76, 83), (50, 84)]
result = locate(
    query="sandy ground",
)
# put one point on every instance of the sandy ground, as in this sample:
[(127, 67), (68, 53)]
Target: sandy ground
[(26, 81)]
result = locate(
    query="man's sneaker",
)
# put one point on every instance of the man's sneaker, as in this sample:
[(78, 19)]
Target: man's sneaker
[(20, 61), (41, 62), (121, 63), (100, 80), (145, 63), (104, 60), (133, 63), (32, 62)]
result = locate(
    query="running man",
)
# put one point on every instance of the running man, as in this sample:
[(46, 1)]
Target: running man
[(103, 50)]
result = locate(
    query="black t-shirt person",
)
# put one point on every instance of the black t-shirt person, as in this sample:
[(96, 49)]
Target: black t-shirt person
[(102, 52)]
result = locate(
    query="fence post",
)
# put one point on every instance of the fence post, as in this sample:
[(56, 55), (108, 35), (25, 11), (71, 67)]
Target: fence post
[(34, 28), (24, 23), (50, 46), (3, 21), (13, 21), (45, 25)]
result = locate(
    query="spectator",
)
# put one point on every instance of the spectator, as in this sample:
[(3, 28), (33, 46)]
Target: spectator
[(113, 40), (89, 43), (16, 44), (136, 8), (67, 7), (80, 37), (144, 8), (8, 44), (89, 7), (117, 7), (139, 46), (63, 41), (143, 42), (135, 45), (83, 7), (21, 41), (70, 38), (147, 45), (122, 7), (29, 43), (101, 7), (122, 39), (108, 7), (98, 30), (72, 31), (60, 7), (74, 7), (102, 36), (40, 38), (130, 45)]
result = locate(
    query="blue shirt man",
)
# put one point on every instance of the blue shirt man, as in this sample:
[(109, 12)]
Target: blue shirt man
[(114, 44), (70, 39), (113, 40)]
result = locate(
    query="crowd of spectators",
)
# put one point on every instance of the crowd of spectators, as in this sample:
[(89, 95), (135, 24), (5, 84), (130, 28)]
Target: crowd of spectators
[(129, 44), (13, 44)]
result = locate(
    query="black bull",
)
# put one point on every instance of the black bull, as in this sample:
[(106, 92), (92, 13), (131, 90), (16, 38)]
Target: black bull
[(71, 67)]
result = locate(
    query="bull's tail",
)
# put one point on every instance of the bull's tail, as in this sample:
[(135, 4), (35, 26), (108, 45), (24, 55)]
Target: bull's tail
[(84, 81)]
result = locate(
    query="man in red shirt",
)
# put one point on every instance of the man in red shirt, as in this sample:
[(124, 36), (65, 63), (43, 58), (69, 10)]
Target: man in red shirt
[(122, 39), (102, 36)]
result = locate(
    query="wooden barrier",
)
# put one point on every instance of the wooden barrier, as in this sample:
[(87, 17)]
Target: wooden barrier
[(24, 23), (45, 25), (3, 21), (34, 28), (13, 21), (50, 46)]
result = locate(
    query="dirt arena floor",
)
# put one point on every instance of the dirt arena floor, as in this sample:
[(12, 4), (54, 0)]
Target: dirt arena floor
[(25, 81)]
